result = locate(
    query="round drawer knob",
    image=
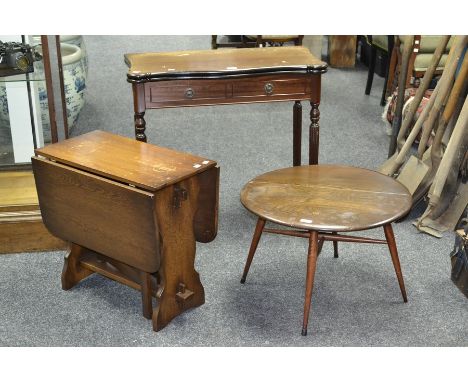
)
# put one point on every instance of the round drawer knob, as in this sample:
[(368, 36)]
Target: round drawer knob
[(269, 88), (189, 93)]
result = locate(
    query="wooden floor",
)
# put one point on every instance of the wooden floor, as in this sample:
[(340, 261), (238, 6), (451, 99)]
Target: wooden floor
[(17, 188), (21, 227)]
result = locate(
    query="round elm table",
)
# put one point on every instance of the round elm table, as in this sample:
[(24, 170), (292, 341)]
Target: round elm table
[(319, 201)]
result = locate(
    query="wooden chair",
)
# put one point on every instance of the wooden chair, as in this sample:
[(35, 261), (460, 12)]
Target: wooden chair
[(383, 45), (423, 49), (250, 41), (276, 40), (233, 42)]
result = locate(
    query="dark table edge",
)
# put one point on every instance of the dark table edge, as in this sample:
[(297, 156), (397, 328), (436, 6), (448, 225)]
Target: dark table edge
[(151, 77)]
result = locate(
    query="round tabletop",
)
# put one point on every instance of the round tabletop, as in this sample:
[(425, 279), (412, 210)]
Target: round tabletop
[(326, 198)]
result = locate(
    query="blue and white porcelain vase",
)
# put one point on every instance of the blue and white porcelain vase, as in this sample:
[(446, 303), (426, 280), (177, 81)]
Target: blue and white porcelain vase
[(74, 79), (4, 116), (72, 40), (74, 75), (79, 42)]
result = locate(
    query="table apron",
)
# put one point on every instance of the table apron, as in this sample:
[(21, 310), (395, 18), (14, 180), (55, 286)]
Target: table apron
[(203, 92)]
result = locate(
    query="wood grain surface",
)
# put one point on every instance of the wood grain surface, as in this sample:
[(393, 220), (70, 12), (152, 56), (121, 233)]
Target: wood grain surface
[(342, 51), (177, 254), (27, 236), (145, 66), (21, 227), (96, 213), (17, 188), (142, 238), (125, 160), (326, 198), (259, 88), (205, 221)]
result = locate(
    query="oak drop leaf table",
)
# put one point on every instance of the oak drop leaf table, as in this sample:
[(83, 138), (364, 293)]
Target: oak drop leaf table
[(229, 76), (320, 201), (132, 212)]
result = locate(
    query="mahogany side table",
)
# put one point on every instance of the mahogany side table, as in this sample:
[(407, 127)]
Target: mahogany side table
[(320, 201), (132, 212), (229, 76)]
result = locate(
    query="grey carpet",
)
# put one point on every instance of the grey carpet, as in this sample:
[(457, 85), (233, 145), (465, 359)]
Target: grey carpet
[(356, 299)]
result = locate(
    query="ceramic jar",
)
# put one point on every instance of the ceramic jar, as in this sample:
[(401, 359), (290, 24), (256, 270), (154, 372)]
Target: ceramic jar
[(72, 40), (74, 79), (79, 42), (74, 65), (4, 117)]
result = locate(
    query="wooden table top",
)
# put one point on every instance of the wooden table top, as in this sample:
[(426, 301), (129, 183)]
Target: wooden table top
[(326, 198), (221, 62), (126, 160)]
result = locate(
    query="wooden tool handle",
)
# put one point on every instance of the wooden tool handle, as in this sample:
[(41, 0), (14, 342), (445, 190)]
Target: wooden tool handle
[(422, 89), (456, 90), (415, 130), (396, 123), (449, 108), (452, 148), (446, 82)]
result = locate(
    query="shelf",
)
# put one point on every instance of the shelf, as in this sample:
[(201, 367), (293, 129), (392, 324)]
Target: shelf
[(21, 227), (15, 79), (17, 76), (17, 188)]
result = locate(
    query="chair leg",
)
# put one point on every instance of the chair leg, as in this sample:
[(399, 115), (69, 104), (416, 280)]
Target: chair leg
[(396, 261), (311, 265), (298, 40), (392, 68), (370, 74), (414, 53), (320, 245), (253, 247), (214, 41), (383, 100), (335, 247)]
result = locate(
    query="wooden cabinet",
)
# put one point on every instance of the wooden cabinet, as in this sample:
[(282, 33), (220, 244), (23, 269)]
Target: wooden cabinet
[(21, 227)]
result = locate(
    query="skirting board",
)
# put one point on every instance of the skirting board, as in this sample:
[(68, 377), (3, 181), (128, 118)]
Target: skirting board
[(27, 236)]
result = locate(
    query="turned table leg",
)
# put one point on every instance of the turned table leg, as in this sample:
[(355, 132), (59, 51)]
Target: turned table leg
[(314, 132), (253, 247), (297, 133), (139, 109), (396, 261), (311, 265)]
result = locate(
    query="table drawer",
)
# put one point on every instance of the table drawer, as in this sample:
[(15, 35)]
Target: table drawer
[(269, 88), (172, 91)]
